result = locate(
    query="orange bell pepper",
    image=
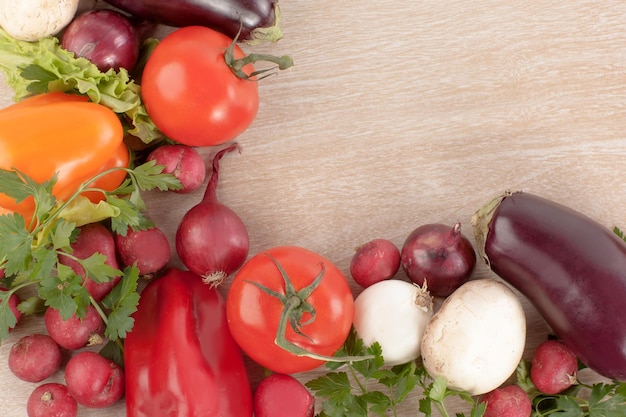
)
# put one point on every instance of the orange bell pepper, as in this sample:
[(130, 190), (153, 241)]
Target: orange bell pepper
[(62, 133)]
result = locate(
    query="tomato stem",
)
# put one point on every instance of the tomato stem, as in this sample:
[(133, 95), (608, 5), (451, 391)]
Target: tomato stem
[(237, 64), (294, 307)]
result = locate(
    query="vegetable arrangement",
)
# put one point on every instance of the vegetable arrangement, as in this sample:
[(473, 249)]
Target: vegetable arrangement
[(74, 237)]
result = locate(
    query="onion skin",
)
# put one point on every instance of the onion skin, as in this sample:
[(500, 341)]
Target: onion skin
[(438, 256), (105, 37), (569, 266)]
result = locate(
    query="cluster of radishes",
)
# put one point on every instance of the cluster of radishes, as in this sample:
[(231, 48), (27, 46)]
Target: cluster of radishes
[(91, 380), (554, 369)]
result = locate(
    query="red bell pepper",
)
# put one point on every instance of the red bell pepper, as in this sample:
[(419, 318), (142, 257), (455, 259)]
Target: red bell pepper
[(180, 358)]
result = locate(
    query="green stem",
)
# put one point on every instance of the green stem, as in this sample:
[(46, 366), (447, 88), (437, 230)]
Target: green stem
[(282, 342), (81, 189), (105, 319), (442, 409), (101, 312), (362, 387), (294, 306), (237, 65)]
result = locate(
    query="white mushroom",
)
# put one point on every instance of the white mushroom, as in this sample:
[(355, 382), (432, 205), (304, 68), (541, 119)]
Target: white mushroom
[(477, 338), (30, 20)]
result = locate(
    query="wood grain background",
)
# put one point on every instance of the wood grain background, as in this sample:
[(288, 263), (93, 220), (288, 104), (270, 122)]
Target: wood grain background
[(404, 113)]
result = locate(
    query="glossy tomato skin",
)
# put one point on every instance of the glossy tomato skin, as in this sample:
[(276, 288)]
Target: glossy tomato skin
[(253, 315), (191, 94)]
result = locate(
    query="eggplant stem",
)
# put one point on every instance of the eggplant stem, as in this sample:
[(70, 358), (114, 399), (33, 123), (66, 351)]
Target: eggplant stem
[(268, 34)]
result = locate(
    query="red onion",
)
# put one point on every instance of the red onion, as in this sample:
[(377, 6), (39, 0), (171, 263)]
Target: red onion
[(211, 240), (440, 255), (105, 37)]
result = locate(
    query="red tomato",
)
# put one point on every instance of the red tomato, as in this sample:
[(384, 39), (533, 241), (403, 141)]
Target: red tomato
[(253, 314), (190, 92)]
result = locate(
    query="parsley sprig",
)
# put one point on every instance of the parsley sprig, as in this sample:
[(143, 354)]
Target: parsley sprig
[(368, 387), (602, 399), (31, 254)]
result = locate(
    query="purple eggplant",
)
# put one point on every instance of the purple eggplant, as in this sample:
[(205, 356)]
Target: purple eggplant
[(570, 267), (257, 19)]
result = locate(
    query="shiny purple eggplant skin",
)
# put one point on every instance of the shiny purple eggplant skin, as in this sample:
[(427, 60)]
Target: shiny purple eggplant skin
[(570, 267), (226, 16)]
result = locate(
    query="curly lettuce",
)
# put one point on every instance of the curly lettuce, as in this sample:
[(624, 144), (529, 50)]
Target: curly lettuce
[(43, 66)]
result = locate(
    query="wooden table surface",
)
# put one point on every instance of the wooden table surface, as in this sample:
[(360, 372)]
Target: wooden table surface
[(399, 114)]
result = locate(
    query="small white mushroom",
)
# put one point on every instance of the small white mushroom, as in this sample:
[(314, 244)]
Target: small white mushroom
[(30, 20)]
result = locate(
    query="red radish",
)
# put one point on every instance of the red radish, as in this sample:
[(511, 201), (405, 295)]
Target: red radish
[(105, 37), (182, 161), (75, 333), (148, 249), (282, 395), (509, 401), (51, 400), (439, 255), (375, 261), (93, 238), (554, 367), (212, 241), (35, 357), (93, 380)]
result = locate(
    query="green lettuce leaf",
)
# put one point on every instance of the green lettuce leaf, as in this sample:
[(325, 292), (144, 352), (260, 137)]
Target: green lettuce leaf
[(43, 66)]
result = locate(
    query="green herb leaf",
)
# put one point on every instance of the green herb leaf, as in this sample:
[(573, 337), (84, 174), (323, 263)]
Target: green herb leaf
[(7, 318), (606, 401), (122, 301), (61, 291), (150, 176), (44, 263), (334, 385), (62, 235), (347, 394), (379, 402), (619, 233), (129, 216), (32, 305), (19, 186), (438, 389), (113, 350), (567, 407), (97, 269), (15, 243)]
